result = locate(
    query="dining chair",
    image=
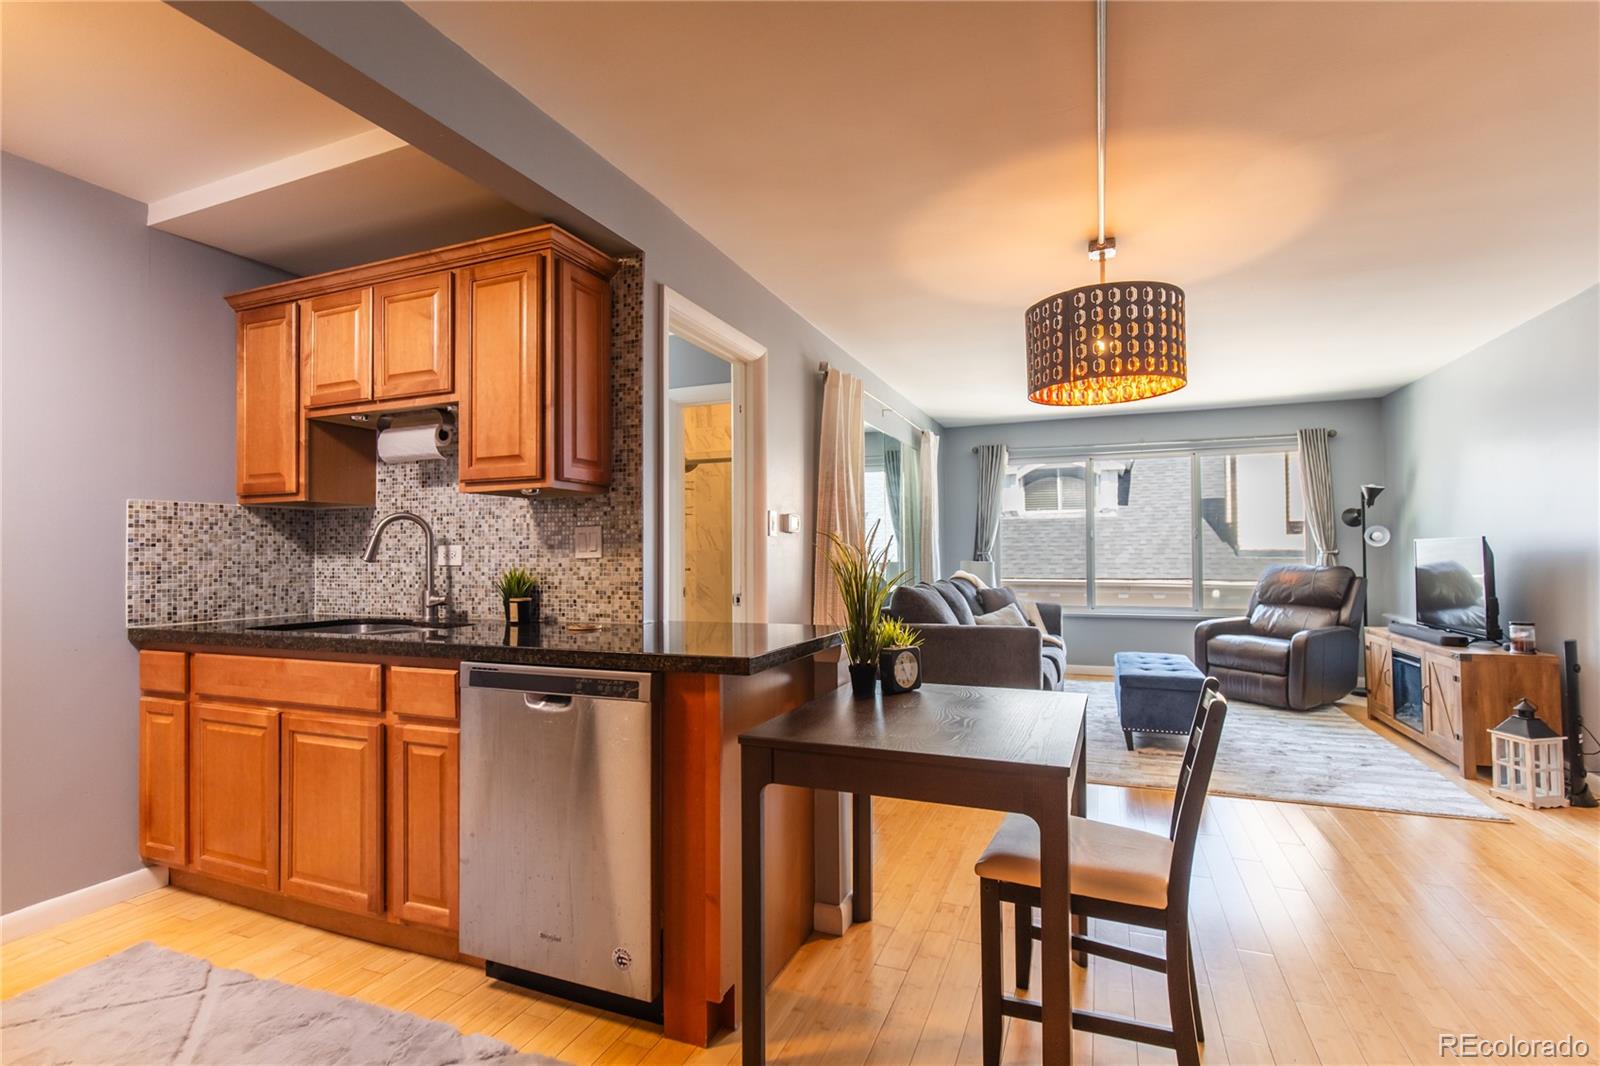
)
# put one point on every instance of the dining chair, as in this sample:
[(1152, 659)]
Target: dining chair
[(1117, 874)]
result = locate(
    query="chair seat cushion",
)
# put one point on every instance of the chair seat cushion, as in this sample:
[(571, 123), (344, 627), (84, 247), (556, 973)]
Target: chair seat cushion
[(1246, 651), (1109, 862)]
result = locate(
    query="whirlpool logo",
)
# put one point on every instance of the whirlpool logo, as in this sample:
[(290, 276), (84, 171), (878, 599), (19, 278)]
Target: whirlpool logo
[(551, 937)]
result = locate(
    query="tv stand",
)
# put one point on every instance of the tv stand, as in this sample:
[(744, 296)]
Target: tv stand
[(1455, 693)]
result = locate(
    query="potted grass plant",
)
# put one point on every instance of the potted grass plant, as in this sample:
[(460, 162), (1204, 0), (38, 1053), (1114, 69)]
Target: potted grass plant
[(861, 574), (519, 592)]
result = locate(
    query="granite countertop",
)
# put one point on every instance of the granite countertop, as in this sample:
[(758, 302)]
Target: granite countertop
[(673, 647)]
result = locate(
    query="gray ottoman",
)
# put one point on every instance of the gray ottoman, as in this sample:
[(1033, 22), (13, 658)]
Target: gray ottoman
[(1156, 693)]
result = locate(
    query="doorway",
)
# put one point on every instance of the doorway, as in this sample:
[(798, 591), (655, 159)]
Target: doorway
[(713, 499)]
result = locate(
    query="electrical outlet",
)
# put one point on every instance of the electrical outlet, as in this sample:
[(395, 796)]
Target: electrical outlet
[(586, 542), (447, 555)]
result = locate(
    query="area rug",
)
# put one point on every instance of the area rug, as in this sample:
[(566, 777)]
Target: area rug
[(1322, 756), (149, 1005)]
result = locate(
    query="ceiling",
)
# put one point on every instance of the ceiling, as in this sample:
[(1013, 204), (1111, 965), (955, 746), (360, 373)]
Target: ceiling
[(1352, 194), (226, 149)]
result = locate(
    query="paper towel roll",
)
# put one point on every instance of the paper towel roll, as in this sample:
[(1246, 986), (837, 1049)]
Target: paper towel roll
[(413, 444)]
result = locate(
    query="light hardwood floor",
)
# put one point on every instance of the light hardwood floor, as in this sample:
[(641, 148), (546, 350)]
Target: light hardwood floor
[(1324, 935)]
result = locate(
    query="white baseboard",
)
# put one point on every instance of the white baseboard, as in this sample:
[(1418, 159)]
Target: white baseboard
[(832, 919), (52, 912), (1091, 671)]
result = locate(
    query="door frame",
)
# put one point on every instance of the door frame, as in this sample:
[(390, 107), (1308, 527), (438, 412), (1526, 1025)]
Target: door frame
[(748, 358)]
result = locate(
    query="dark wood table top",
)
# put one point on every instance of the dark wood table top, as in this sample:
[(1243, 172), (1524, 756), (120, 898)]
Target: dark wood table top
[(951, 725)]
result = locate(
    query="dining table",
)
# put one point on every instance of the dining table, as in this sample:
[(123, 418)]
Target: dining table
[(1010, 750)]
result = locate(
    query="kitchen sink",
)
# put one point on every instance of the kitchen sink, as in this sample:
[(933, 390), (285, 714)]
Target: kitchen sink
[(359, 627)]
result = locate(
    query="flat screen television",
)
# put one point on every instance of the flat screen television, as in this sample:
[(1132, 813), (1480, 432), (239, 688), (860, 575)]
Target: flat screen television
[(1455, 586)]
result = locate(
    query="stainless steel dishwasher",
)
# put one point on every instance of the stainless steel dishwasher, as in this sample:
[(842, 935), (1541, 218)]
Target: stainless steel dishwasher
[(557, 832)]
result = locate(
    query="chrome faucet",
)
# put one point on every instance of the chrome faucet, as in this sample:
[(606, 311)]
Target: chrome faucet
[(432, 602)]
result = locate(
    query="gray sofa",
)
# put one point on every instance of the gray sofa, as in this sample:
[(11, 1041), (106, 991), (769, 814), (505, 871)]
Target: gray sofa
[(958, 651)]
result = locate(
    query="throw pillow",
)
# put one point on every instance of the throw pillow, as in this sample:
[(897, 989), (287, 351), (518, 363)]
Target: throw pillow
[(956, 599), (994, 598), (921, 605), (1005, 616)]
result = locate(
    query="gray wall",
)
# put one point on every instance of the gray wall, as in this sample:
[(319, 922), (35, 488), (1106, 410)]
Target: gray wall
[(1357, 455), (1505, 443), (116, 382), (385, 62), (688, 365)]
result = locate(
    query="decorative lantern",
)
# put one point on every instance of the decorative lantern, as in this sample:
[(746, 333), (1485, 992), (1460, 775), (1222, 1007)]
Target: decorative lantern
[(1528, 765)]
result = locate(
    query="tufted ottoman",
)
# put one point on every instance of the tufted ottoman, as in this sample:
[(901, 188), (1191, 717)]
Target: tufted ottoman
[(1156, 693)]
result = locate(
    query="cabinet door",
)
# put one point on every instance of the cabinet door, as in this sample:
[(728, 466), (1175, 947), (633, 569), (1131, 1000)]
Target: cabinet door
[(424, 798), (336, 347), (333, 811), (163, 780), (411, 350), (1441, 699), (1380, 682), (499, 332), (583, 376), (233, 792), (267, 444)]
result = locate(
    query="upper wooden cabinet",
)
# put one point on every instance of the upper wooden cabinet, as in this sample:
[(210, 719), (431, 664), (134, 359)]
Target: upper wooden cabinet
[(336, 347), (514, 331), (268, 440), (412, 354)]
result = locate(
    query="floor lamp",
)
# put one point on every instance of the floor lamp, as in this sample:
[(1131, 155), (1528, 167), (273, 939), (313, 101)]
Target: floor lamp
[(1377, 536)]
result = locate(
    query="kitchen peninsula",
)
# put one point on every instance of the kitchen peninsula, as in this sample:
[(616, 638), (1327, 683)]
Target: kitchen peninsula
[(317, 776)]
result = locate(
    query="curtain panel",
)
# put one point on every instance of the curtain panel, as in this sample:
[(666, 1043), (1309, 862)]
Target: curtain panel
[(1316, 488), (928, 509), (841, 492), (991, 482)]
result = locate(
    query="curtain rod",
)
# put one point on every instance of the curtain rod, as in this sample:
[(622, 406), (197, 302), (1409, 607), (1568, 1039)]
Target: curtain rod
[(888, 408), (1154, 445)]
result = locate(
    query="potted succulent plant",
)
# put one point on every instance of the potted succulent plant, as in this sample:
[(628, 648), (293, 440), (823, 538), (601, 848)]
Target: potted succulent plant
[(519, 592), (899, 662), (860, 572)]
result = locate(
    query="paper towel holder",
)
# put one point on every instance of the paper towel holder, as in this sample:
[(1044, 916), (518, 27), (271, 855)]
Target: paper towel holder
[(447, 417)]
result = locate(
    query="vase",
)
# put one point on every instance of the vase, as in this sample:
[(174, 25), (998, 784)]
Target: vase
[(864, 680)]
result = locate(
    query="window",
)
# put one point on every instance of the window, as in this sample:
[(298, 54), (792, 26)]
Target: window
[(1177, 530)]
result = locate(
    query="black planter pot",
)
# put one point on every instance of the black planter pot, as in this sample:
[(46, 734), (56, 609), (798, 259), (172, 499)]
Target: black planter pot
[(523, 612), (864, 680)]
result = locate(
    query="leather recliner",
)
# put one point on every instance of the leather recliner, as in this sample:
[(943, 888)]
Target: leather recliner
[(1298, 644)]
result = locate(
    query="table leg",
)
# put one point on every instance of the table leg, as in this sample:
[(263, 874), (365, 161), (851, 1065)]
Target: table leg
[(861, 857), (755, 775), (1080, 807), (1055, 951)]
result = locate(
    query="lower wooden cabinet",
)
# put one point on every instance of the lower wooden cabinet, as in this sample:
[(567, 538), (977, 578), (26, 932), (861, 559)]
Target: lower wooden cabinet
[(233, 792), (1441, 702), (164, 780), (332, 811), (424, 820)]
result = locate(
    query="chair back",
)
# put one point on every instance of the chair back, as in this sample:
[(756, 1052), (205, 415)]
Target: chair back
[(1194, 778), (1295, 597)]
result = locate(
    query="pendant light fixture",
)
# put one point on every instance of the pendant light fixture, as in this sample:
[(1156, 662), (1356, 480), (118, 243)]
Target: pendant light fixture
[(1106, 343)]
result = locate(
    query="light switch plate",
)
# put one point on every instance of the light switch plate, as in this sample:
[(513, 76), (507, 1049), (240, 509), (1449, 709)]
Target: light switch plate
[(447, 555), (586, 542)]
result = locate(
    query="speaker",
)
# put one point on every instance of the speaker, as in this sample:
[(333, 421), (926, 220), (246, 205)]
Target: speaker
[(1429, 635)]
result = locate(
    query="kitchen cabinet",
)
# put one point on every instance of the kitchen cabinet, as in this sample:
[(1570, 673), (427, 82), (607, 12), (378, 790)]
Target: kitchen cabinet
[(233, 792), (332, 810), (336, 347), (499, 337), (512, 331), (267, 445), (163, 780), (413, 353), (424, 823)]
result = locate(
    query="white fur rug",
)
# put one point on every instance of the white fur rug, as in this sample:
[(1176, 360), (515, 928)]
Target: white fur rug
[(1322, 756), (149, 1005)]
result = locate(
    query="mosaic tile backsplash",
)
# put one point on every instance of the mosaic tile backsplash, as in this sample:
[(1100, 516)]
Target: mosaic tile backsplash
[(204, 561)]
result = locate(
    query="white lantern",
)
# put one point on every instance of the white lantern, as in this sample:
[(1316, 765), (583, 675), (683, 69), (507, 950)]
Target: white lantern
[(1528, 764)]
